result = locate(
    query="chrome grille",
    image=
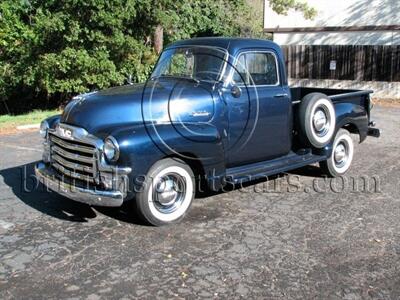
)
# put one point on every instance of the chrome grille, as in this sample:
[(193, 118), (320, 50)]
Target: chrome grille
[(72, 158)]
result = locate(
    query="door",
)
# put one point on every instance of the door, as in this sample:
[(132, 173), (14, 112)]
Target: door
[(259, 110)]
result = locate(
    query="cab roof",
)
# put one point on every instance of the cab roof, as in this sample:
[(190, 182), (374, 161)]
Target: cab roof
[(232, 45)]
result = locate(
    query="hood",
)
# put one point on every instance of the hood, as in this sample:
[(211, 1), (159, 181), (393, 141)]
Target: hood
[(157, 101)]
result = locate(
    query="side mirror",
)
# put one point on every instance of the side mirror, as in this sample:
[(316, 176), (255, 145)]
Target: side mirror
[(236, 91)]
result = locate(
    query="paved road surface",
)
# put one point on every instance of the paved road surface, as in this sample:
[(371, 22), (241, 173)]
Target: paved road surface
[(248, 243)]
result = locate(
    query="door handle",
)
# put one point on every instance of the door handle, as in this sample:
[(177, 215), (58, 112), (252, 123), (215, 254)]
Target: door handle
[(281, 95)]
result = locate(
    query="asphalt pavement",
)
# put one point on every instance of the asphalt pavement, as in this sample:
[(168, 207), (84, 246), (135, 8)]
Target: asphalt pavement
[(295, 236)]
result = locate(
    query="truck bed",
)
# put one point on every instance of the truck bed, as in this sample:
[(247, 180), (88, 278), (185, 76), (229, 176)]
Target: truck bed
[(343, 100), (298, 93)]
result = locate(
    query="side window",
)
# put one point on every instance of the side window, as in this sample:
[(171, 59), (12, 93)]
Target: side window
[(256, 68)]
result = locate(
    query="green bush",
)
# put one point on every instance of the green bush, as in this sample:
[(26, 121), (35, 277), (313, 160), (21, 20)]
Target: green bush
[(52, 49)]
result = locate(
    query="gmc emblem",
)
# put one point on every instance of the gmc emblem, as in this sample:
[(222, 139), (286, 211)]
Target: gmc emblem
[(64, 132)]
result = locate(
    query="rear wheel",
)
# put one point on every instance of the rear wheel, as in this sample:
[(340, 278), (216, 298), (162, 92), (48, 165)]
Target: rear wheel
[(342, 155), (167, 193)]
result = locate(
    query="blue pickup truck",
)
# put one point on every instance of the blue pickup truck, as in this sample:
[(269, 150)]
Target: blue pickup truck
[(215, 111)]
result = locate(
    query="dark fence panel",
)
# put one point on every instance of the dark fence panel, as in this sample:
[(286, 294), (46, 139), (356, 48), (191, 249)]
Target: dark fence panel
[(363, 63)]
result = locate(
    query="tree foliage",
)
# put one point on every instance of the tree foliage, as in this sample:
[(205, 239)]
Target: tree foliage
[(283, 6), (51, 49)]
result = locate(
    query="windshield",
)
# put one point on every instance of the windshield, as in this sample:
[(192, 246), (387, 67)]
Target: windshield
[(199, 63)]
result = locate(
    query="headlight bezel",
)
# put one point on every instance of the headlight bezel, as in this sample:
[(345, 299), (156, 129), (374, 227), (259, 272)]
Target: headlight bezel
[(111, 149), (44, 128)]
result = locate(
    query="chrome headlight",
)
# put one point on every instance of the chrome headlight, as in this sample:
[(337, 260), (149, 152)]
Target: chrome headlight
[(44, 127), (111, 149)]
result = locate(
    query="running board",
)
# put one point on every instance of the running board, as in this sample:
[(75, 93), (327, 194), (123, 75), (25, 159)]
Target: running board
[(270, 167)]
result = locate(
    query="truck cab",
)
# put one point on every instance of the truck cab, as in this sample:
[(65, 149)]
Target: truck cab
[(215, 111)]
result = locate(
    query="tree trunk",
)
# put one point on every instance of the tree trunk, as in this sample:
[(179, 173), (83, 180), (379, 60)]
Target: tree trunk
[(158, 39)]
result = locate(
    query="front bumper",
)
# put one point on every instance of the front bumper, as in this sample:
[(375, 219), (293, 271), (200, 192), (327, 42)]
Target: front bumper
[(85, 195)]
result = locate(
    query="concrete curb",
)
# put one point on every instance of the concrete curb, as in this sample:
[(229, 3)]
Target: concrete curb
[(29, 126)]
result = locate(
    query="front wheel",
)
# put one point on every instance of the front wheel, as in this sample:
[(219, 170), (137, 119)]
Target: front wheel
[(342, 155), (167, 192)]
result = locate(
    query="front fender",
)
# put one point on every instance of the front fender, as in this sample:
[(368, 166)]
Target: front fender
[(53, 121), (143, 145)]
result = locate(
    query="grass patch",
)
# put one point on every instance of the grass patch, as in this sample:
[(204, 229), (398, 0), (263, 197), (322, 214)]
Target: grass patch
[(34, 117)]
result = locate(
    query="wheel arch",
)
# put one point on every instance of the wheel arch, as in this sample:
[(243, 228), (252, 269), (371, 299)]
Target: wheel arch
[(354, 127), (209, 175), (352, 117), (191, 160)]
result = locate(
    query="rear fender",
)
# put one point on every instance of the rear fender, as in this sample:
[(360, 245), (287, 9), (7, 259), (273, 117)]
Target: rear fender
[(352, 117)]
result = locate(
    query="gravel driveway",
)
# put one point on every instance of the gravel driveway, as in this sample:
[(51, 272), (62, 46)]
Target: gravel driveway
[(295, 236)]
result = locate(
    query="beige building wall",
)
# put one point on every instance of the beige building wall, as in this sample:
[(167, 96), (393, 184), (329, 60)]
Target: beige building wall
[(339, 18), (339, 38), (341, 22)]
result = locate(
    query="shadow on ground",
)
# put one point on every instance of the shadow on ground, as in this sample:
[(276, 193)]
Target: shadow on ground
[(308, 171), (25, 186)]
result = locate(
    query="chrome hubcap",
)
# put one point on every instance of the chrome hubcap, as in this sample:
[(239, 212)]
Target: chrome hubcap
[(169, 192), (321, 122), (340, 154)]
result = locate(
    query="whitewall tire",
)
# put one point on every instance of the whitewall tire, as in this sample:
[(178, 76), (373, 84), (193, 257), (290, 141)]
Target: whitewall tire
[(167, 192), (317, 120), (342, 155)]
